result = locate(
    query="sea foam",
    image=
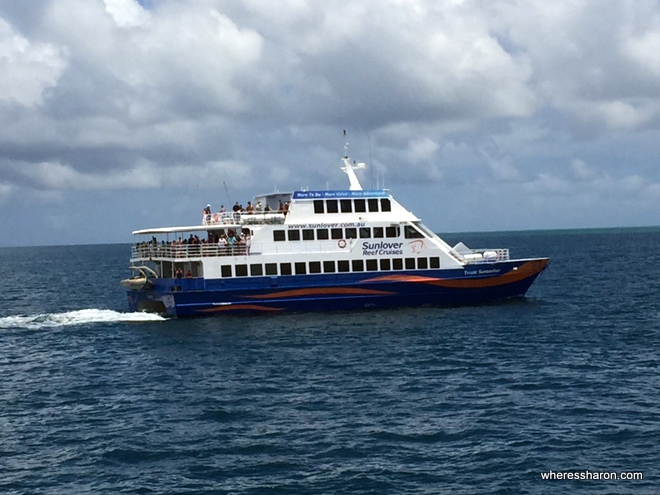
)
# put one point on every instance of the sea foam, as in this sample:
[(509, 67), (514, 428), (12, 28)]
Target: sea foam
[(79, 317)]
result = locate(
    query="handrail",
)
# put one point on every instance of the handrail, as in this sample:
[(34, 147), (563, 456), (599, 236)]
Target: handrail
[(242, 218)]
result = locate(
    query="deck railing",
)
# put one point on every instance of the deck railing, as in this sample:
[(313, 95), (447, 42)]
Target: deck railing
[(237, 218)]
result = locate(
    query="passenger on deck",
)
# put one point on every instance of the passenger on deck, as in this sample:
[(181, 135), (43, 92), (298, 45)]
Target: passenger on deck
[(259, 208), (250, 209), (206, 219)]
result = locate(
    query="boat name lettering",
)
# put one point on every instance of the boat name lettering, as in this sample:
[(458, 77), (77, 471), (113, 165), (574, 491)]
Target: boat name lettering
[(483, 272), (381, 248), (326, 225)]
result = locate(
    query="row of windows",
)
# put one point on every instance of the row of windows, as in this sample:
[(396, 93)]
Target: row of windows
[(393, 231), (352, 205), (330, 266)]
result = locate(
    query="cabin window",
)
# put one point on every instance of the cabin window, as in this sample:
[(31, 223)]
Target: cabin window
[(322, 234), (294, 234), (392, 231), (434, 262), (285, 268), (360, 206), (410, 263), (314, 267), (256, 270), (318, 206), (378, 232), (372, 265), (329, 266), (384, 264), (343, 266), (397, 264), (411, 232), (241, 270), (346, 205), (331, 206), (351, 233), (373, 204), (301, 268), (225, 271), (422, 263), (308, 234), (365, 232), (271, 268), (278, 235), (358, 265), (337, 233), (385, 205)]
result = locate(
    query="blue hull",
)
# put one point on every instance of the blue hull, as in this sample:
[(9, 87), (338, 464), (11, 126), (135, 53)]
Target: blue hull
[(369, 290)]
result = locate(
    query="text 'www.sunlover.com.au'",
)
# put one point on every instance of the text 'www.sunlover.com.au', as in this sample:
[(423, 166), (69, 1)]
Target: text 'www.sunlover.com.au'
[(587, 475)]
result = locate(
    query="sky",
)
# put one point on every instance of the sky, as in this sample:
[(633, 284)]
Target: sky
[(481, 115)]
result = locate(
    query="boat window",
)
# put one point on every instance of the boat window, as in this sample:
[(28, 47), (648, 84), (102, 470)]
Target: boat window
[(241, 270), (392, 231), (329, 266), (434, 262), (308, 234), (322, 234), (410, 263), (372, 265), (256, 270), (411, 232), (337, 233), (365, 232), (285, 268), (422, 263), (271, 268), (360, 206), (225, 271), (385, 205), (294, 234), (301, 268), (346, 205), (373, 204), (342, 266), (385, 264), (314, 267), (378, 232), (358, 265), (278, 235), (318, 206), (397, 264), (351, 233), (331, 206)]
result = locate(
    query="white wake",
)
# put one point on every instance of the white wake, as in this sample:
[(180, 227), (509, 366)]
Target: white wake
[(80, 317)]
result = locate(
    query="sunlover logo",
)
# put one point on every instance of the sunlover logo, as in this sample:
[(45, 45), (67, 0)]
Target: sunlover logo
[(382, 248)]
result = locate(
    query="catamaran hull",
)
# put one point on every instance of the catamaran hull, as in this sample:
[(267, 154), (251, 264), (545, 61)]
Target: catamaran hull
[(475, 284)]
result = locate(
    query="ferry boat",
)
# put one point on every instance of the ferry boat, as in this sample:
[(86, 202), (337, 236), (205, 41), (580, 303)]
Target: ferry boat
[(320, 250)]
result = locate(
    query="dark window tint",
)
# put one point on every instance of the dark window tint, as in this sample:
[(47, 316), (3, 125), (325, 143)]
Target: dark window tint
[(285, 268), (322, 234), (385, 205), (360, 206), (225, 271), (378, 232), (294, 235), (350, 233), (331, 206), (308, 234), (372, 265), (397, 264), (412, 233), (434, 262), (318, 206), (314, 267), (373, 204), (392, 231), (256, 270), (384, 264), (241, 270), (410, 263), (358, 265), (301, 269), (365, 232), (329, 266), (422, 263), (278, 235), (342, 266), (271, 268), (337, 233), (346, 205)]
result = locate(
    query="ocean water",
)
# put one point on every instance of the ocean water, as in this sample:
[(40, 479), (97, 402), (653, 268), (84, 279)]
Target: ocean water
[(486, 399)]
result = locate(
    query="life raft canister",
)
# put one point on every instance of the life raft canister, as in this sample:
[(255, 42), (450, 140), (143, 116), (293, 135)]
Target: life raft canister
[(341, 243)]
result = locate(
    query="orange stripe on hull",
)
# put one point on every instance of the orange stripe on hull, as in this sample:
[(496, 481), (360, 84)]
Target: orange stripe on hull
[(527, 269), (324, 291), (239, 307)]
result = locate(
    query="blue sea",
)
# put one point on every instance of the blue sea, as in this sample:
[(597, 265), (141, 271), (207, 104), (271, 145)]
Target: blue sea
[(488, 399)]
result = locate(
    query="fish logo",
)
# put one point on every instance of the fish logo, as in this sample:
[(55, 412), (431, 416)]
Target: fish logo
[(417, 246)]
